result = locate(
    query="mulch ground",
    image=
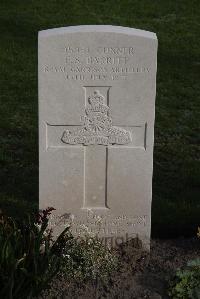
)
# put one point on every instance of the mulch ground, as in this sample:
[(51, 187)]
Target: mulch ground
[(140, 275)]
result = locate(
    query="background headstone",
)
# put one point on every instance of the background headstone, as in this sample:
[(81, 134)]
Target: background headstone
[(96, 119)]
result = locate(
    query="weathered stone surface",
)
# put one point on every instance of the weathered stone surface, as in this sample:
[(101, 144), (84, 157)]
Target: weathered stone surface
[(96, 120)]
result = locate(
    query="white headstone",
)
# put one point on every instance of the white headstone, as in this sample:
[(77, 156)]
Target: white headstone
[(97, 88)]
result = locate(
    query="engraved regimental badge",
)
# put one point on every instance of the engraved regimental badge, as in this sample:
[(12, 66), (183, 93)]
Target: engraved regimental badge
[(97, 126)]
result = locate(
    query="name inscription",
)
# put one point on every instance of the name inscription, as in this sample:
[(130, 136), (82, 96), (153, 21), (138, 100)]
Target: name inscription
[(101, 63)]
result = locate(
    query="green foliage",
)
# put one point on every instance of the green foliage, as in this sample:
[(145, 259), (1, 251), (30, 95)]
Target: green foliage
[(186, 284), (87, 259), (29, 258)]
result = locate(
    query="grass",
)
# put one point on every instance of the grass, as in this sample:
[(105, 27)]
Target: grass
[(176, 156)]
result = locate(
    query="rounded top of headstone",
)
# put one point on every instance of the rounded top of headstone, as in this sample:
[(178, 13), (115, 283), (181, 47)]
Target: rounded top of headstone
[(98, 28)]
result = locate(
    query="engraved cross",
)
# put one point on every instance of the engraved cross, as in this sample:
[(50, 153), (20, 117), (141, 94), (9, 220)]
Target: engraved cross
[(98, 136)]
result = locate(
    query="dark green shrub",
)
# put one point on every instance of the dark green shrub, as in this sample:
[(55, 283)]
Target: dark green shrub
[(29, 258), (186, 284)]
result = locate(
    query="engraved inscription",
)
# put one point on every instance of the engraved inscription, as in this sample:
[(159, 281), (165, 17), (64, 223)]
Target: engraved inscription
[(97, 127), (98, 63), (94, 222), (109, 229)]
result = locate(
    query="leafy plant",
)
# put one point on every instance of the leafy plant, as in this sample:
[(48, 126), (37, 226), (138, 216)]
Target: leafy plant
[(87, 259), (186, 284), (29, 258)]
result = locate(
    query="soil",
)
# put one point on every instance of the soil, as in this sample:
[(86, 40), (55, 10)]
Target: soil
[(141, 275)]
